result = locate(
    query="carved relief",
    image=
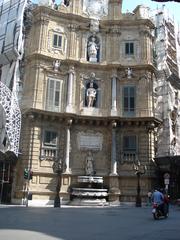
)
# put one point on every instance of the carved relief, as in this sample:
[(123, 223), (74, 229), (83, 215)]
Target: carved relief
[(94, 26), (95, 8)]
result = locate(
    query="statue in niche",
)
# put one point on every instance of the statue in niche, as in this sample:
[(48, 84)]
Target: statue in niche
[(91, 95), (56, 65), (92, 50), (89, 165), (129, 72)]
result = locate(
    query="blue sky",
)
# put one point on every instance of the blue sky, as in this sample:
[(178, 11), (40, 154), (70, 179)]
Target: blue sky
[(174, 8)]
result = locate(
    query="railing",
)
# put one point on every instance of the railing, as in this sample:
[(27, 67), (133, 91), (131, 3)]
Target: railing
[(129, 156), (48, 153)]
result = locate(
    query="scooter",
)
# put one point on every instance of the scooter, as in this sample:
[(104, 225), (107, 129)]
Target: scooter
[(159, 211)]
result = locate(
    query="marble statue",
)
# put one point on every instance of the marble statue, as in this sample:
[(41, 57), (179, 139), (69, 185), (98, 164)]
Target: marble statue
[(96, 9), (89, 164), (56, 65), (129, 72), (92, 50), (91, 95)]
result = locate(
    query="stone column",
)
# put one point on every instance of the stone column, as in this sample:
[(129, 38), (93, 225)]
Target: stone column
[(68, 139), (71, 73), (114, 97), (114, 188), (113, 151)]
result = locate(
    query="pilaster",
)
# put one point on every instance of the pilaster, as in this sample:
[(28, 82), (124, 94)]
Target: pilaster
[(113, 151), (70, 87), (114, 95), (68, 140)]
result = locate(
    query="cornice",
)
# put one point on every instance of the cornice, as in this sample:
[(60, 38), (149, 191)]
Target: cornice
[(51, 13), (40, 115), (106, 66)]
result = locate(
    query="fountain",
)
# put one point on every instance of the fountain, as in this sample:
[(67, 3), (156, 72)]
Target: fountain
[(90, 189)]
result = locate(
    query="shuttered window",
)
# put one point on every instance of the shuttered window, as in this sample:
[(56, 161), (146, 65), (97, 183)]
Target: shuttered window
[(49, 149), (57, 41), (129, 48), (129, 100), (129, 148), (129, 144), (54, 95)]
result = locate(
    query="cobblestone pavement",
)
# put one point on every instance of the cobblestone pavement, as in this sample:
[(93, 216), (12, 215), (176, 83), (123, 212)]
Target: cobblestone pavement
[(105, 223)]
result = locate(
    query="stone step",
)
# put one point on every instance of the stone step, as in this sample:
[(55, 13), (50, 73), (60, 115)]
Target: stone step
[(89, 192), (89, 202)]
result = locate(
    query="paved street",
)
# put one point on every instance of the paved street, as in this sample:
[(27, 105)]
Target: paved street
[(127, 223)]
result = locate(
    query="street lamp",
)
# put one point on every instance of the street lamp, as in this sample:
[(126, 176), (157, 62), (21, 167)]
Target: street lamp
[(139, 169), (57, 168)]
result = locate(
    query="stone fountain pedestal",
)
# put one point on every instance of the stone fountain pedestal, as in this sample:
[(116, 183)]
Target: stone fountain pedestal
[(90, 191)]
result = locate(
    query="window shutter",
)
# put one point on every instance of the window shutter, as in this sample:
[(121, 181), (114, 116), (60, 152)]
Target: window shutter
[(55, 40), (59, 41), (50, 94), (129, 100), (127, 48), (53, 95), (131, 48)]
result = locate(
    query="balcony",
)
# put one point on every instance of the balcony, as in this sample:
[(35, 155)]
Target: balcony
[(48, 153), (129, 156)]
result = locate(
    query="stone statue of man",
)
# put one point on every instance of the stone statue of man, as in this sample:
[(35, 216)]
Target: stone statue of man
[(92, 50), (91, 95), (89, 165)]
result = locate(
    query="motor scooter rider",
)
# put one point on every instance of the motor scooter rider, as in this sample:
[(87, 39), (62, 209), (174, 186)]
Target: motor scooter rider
[(158, 198)]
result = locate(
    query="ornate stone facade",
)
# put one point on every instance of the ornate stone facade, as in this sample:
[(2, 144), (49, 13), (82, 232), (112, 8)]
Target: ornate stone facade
[(58, 121)]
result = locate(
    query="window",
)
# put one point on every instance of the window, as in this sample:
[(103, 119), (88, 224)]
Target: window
[(129, 148), (129, 100), (49, 146), (129, 48), (50, 138), (129, 144), (53, 102), (57, 41)]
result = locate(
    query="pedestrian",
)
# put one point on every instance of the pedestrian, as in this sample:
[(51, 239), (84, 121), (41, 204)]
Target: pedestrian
[(149, 196)]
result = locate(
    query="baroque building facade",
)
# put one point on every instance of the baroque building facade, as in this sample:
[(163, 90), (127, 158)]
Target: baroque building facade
[(87, 94), (167, 97)]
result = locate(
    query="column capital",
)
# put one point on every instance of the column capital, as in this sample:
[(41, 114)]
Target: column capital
[(69, 122), (114, 124), (114, 75), (71, 70)]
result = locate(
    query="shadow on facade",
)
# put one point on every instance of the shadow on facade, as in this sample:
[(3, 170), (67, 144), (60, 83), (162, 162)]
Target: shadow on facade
[(7, 164), (171, 165)]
